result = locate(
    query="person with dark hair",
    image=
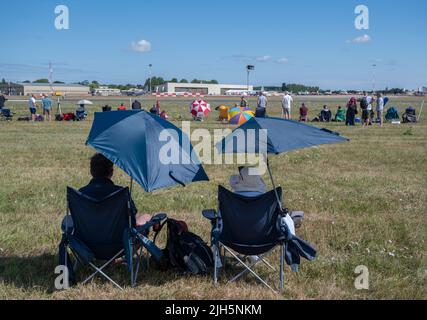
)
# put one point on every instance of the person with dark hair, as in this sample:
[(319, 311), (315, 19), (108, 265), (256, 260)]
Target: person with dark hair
[(325, 114), (101, 185), (136, 105), (122, 107), (106, 108), (244, 103), (303, 113), (2, 100), (351, 112)]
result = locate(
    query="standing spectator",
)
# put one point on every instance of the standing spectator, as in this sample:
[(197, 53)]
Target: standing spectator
[(364, 105), (303, 113), (261, 110), (244, 103), (33, 107), (47, 107), (136, 105), (351, 112), (2, 100), (369, 101), (380, 108), (287, 105)]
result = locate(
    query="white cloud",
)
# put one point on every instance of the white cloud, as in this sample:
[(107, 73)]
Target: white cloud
[(283, 61), (263, 58), (141, 46), (362, 39)]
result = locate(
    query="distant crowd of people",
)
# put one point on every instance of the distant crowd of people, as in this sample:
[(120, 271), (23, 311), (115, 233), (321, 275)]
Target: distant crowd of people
[(136, 105), (349, 116)]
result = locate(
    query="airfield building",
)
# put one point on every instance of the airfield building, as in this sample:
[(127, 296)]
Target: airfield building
[(12, 89), (26, 89), (200, 88)]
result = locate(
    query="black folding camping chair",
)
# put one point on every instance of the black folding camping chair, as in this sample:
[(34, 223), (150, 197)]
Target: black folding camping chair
[(103, 231), (6, 114), (253, 226)]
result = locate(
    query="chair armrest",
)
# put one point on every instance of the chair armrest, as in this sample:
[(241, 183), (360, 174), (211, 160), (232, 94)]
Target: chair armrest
[(159, 217), (210, 214)]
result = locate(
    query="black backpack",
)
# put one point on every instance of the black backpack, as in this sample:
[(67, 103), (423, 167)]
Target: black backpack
[(185, 250), (364, 104)]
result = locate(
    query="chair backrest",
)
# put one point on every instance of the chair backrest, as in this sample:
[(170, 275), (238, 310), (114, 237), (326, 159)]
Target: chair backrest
[(249, 221), (100, 224)]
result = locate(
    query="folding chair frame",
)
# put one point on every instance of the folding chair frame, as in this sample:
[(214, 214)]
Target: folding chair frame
[(100, 269), (248, 268), (218, 245)]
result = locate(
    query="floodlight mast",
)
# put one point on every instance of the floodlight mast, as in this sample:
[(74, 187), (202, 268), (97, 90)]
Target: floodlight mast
[(150, 65), (374, 78), (249, 68)]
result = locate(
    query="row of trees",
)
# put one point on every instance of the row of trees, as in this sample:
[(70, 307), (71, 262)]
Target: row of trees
[(294, 87), (155, 81)]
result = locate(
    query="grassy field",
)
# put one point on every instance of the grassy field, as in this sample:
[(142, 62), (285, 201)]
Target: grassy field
[(365, 204)]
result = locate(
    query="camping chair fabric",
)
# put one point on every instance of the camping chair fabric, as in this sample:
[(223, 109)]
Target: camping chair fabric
[(410, 116), (6, 114), (104, 230), (81, 114), (392, 114), (101, 224), (256, 216), (254, 226)]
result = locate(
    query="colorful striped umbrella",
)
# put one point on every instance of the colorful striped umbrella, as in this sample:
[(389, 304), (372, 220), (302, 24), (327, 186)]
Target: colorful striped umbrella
[(239, 116)]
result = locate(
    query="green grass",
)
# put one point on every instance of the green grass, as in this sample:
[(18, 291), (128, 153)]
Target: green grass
[(365, 201)]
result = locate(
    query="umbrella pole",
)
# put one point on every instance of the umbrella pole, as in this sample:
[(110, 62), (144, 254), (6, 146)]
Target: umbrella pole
[(274, 185), (131, 186), (130, 190)]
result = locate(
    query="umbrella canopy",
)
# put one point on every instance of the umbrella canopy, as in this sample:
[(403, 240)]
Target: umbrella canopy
[(282, 136), (239, 116), (200, 109), (131, 140), (84, 102)]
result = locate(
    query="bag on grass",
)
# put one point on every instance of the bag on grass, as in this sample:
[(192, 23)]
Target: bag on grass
[(364, 104), (185, 250), (69, 117)]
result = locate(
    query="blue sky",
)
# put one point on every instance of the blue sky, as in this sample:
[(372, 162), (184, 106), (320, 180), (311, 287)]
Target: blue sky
[(216, 39)]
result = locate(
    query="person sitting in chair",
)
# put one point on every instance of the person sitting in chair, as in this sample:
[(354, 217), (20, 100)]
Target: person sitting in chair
[(250, 184), (102, 186)]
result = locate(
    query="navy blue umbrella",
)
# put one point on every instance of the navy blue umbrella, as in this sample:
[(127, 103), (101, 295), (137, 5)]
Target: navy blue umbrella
[(275, 136), (132, 141)]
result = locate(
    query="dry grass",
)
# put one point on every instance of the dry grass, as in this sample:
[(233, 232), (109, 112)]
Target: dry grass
[(364, 201)]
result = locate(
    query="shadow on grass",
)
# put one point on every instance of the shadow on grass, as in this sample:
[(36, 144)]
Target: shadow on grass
[(38, 273), (29, 273)]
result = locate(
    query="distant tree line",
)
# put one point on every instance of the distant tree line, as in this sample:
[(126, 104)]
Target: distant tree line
[(293, 87)]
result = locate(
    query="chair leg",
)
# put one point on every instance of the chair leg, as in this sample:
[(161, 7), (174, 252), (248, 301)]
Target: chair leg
[(105, 275), (251, 271), (282, 267), (217, 255), (98, 270)]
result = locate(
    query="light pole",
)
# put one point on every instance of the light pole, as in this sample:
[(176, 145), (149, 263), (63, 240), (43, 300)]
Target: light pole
[(150, 65), (249, 68), (373, 77)]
